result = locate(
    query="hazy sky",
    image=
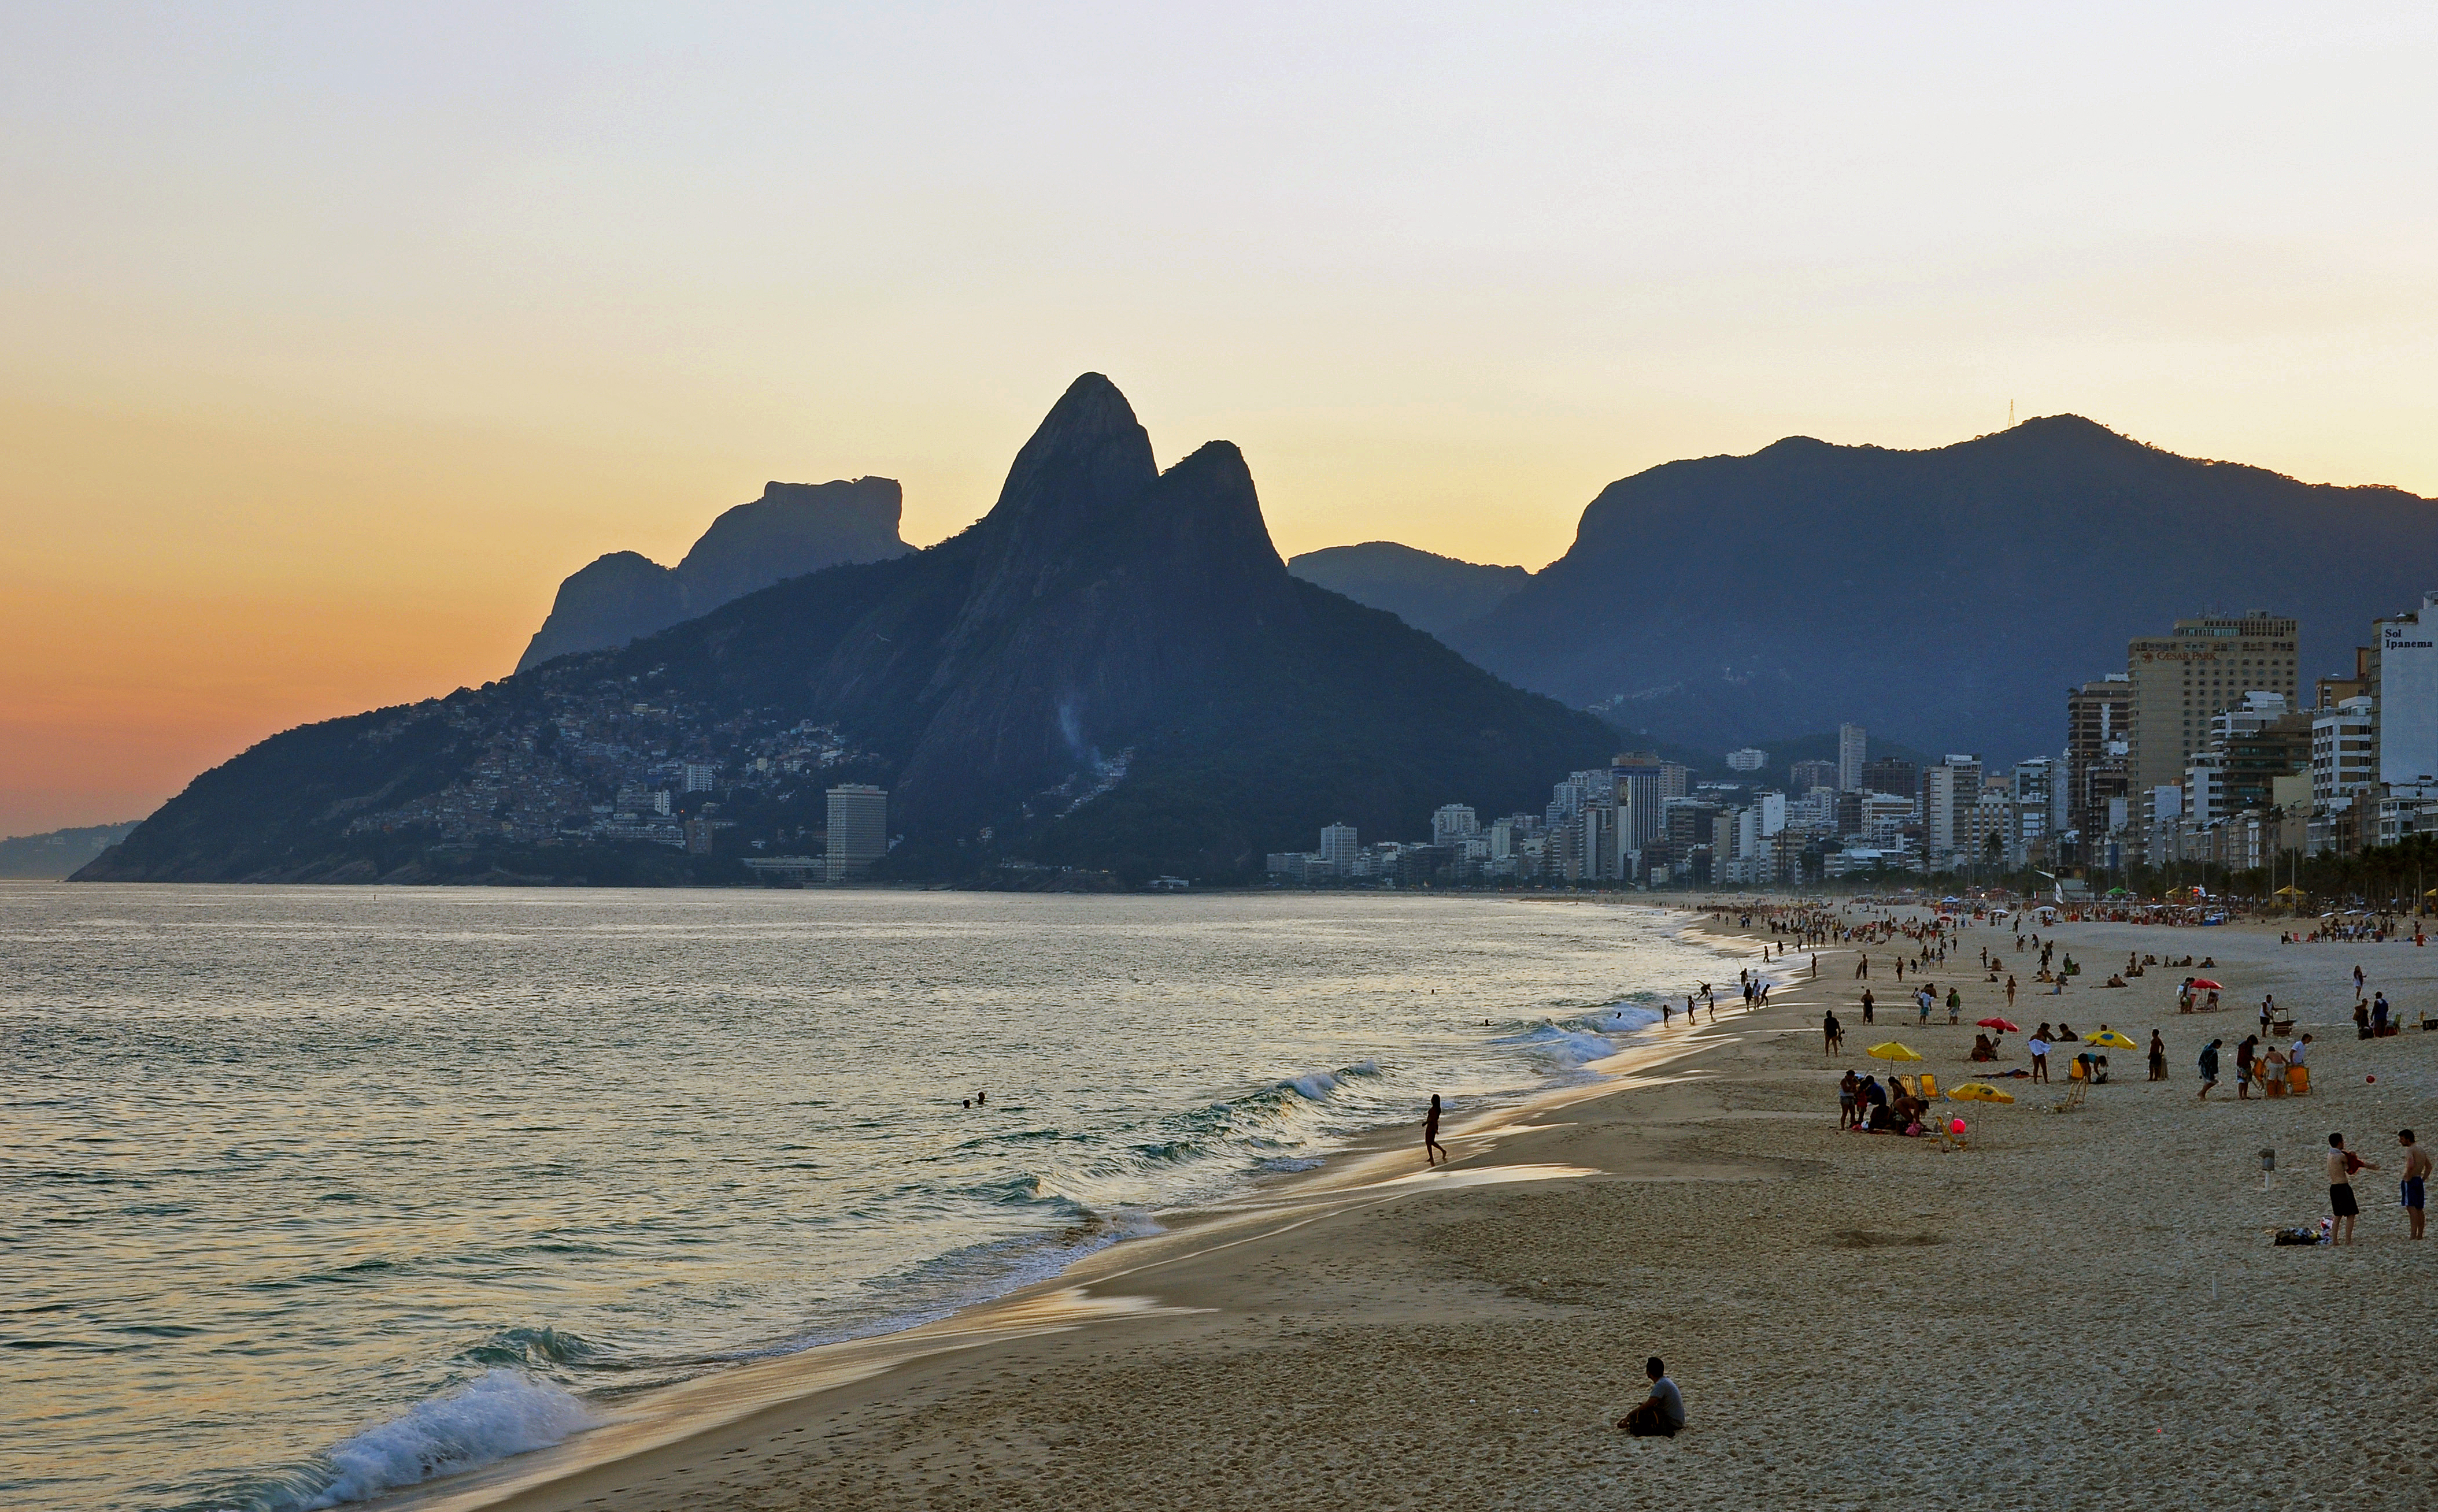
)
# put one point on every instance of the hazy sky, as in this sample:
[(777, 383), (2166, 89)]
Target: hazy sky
[(336, 335)]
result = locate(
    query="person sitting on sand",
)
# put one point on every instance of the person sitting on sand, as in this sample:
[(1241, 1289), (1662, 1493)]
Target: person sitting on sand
[(2117, 980), (1661, 1414), (1983, 1050)]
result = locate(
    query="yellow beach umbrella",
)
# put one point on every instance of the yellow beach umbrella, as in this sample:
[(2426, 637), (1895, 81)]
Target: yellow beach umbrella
[(1892, 1051), (2111, 1040), (1979, 1092)]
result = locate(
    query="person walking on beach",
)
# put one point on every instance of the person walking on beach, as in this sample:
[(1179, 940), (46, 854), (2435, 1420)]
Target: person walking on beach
[(2038, 1045), (2158, 1057), (2358, 981), (2010, 990), (2416, 1182), (2209, 1070), (1955, 1007), (1661, 1414), (2342, 1163), (1833, 1032), (1431, 1134), (1866, 1006), (2243, 1069)]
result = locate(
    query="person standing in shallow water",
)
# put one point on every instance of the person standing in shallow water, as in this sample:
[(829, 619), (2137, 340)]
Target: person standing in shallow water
[(1431, 1134)]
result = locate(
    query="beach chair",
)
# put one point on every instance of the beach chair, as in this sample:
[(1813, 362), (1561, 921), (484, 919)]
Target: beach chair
[(2298, 1080), (1929, 1087), (1904, 1084), (2073, 1099)]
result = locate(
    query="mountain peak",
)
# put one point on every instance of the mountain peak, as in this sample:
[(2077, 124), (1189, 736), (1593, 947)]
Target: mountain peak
[(794, 528), (1089, 454)]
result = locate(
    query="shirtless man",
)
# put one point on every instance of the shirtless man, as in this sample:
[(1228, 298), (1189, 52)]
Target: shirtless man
[(2342, 1163), (2416, 1181)]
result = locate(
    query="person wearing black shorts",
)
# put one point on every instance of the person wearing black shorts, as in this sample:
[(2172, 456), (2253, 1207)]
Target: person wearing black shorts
[(2342, 1163)]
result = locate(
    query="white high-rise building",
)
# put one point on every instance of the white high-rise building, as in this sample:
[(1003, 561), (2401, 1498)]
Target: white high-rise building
[(699, 775), (2407, 710), (1452, 822), (1747, 760), (1949, 794), (1338, 847), (1853, 748), (859, 829), (2342, 760), (1639, 781)]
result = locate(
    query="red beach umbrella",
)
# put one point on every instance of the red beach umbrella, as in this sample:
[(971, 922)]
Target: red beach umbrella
[(2204, 984), (1997, 1023)]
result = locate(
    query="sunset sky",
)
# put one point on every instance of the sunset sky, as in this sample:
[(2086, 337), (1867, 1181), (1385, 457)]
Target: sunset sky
[(337, 335)]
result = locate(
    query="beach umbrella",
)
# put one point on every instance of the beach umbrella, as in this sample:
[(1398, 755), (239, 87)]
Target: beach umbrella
[(1893, 1051), (1997, 1024), (1979, 1092), (2111, 1040), (2202, 984)]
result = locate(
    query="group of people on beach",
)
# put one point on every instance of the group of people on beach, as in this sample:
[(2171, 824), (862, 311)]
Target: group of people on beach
[(2271, 1067)]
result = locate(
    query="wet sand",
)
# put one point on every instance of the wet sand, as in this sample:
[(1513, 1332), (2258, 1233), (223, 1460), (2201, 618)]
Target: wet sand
[(2080, 1309)]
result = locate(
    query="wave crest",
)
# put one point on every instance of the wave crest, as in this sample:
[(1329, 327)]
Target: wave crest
[(499, 1414)]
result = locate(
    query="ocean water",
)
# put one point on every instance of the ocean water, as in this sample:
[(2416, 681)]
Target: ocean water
[(317, 1192)]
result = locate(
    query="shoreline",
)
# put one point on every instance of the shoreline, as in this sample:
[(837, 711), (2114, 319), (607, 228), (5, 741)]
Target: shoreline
[(667, 1418), (1853, 1318)]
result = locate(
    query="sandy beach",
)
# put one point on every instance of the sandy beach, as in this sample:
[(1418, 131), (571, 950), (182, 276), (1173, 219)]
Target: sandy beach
[(2080, 1309)]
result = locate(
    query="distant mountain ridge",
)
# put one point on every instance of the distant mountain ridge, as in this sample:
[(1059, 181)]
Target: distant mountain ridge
[(1112, 670), (1946, 597), (1430, 593), (53, 856), (794, 528)]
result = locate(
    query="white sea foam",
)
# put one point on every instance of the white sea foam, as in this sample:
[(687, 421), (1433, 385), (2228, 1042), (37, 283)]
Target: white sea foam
[(499, 1413), (1565, 1047)]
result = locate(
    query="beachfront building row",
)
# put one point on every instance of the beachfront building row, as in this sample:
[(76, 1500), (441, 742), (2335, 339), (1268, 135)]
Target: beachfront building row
[(2206, 750), (1642, 821)]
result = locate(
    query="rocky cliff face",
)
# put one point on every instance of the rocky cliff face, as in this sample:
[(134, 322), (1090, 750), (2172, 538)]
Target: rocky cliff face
[(794, 528), (1946, 598), (1112, 669)]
